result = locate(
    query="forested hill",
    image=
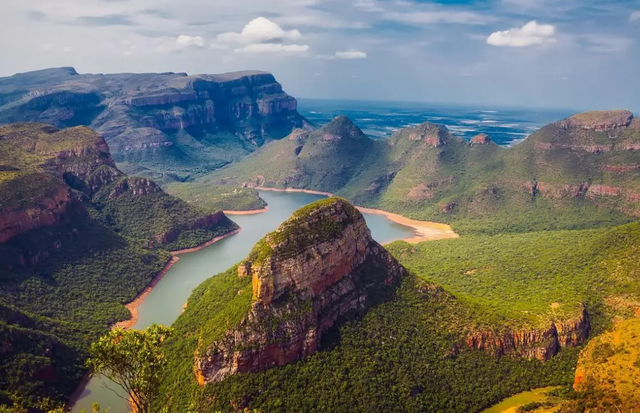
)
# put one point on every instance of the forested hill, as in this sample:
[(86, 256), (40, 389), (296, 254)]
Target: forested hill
[(78, 240), (577, 173)]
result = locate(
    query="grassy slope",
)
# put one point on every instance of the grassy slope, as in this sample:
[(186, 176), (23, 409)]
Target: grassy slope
[(400, 356), (83, 284), (527, 279), (482, 185), (217, 197), (609, 368)]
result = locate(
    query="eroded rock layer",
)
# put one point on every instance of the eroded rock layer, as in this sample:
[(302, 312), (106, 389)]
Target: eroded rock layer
[(319, 266), (541, 344)]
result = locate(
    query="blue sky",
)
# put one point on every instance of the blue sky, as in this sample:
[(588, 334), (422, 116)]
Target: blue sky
[(580, 54)]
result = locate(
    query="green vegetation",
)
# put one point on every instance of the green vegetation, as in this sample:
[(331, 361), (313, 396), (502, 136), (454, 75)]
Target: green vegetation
[(135, 360), (529, 401), (171, 223), (399, 357), (608, 374), (428, 174), (526, 279), (217, 197), (53, 310), (63, 284)]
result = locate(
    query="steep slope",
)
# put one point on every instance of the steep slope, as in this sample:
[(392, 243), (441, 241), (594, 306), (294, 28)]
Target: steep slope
[(166, 126), (512, 314), (78, 240), (317, 268), (327, 158), (576, 173)]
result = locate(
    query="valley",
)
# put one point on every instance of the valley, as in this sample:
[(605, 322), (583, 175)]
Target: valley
[(424, 270)]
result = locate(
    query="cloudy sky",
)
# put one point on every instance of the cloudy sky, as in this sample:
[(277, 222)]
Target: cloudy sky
[(579, 54)]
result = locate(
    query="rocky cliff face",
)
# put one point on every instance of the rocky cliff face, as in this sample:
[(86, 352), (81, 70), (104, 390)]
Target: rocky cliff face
[(320, 265), (179, 119), (541, 344)]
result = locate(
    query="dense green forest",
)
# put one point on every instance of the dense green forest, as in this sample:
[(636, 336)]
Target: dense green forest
[(400, 357), (98, 239), (410, 352), (217, 197), (561, 177)]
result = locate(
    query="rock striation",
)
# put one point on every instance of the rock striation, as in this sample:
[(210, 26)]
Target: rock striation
[(319, 266), (50, 177), (167, 116), (541, 344)]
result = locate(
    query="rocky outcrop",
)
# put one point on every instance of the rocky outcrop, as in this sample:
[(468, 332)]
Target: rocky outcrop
[(136, 187), (541, 344), (139, 114), (429, 133), (481, 139), (319, 266), (56, 205), (204, 222), (600, 121)]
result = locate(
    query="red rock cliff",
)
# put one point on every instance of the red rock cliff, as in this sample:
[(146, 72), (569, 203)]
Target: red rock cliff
[(541, 344), (319, 265)]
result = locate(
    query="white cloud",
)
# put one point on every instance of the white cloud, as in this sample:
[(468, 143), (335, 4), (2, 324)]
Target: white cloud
[(272, 48), (531, 34), (260, 30), (67, 49), (635, 16), (351, 54), (183, 42)]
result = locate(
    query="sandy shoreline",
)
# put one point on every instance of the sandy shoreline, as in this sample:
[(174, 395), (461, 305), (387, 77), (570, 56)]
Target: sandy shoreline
[(253, 212), (303, 191), (133, 305), (425, 231)]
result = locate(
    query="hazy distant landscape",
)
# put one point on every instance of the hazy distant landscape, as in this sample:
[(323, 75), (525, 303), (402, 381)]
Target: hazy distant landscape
[(506, 126)]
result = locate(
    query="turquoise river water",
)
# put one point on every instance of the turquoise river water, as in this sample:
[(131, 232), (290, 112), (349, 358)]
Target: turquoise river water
[(164, 304)]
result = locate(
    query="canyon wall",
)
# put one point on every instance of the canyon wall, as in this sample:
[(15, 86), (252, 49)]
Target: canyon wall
[(320, 265)]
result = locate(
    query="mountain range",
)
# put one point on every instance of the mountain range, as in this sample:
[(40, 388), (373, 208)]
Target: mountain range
[(542, 289), (576, 173), (167, 126)]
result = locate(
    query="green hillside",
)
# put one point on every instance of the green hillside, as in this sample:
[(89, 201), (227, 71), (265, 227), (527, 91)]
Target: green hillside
[(80, 240), (574, 174), (410, 354)]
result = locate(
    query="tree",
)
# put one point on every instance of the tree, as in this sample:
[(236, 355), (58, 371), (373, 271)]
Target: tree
[(133, 359)]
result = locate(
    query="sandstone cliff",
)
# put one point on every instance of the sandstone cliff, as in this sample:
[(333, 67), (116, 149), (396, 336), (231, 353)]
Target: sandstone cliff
[(50, 177), (541, 344), (319, 266), (166, 121)]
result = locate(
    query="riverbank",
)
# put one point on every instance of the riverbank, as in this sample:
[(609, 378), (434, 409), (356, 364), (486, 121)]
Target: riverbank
[(253, 212), (425, 231), (301, 191), (133, 305)]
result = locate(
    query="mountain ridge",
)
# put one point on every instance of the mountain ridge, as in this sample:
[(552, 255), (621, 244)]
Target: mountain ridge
[(165, 125)]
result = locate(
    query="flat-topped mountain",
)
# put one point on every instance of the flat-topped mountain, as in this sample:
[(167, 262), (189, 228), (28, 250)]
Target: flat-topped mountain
[(157, 123), (578, 172)]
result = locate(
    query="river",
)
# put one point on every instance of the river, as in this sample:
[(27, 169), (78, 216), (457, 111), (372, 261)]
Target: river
[(165, 302)]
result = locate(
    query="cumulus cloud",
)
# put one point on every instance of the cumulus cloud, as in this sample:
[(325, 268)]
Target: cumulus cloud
[(531, 34), (260, 30), (350, 55), (183, 42), (272, 48)]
